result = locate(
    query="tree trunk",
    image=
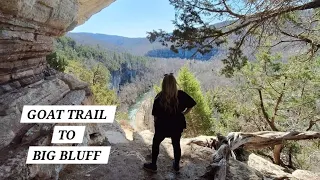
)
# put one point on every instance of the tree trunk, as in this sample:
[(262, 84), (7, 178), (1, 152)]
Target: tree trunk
[(219, 166), (312, 5), (290, 163), (276, 153), (256, 140)]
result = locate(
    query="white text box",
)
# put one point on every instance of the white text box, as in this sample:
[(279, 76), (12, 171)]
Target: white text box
[(68, 155), (67, 114), (68, 134)]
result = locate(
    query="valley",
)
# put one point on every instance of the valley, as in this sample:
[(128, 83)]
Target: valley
[(135, 81)]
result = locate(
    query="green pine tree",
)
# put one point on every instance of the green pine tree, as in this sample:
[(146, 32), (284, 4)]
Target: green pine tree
[(199, 120), (57, 61)]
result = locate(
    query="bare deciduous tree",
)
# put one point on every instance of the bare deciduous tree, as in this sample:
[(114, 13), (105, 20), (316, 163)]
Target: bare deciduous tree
[(251, 22)]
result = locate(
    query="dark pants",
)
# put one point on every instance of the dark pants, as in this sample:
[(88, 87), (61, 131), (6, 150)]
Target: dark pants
[(175, 139)]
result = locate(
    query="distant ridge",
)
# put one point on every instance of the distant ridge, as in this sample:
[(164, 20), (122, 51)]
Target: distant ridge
[(135, 46)]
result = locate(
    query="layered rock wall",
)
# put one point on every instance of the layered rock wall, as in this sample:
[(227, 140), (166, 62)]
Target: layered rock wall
[(27, 28)]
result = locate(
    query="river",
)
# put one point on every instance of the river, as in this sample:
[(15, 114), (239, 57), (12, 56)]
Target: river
[(133, 109)]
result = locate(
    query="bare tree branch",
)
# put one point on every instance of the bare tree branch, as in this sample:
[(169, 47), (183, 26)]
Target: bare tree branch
[(255, 19), (312, 123), (265, 114), (277, 104), (300, 37)]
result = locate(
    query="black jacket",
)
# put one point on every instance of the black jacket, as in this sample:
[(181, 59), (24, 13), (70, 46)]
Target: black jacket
[(168, 123)]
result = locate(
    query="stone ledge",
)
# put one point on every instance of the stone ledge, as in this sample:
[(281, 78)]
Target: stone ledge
[(73, 98), (72, 82), (11, 105)]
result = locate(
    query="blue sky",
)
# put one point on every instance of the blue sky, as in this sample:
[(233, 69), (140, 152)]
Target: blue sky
[(131, 18)]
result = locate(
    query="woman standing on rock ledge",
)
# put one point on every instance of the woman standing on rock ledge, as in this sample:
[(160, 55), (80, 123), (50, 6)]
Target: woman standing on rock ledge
[(169, 108)]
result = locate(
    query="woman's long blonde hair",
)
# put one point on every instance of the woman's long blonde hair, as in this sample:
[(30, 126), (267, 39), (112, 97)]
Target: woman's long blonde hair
[(169, 93)]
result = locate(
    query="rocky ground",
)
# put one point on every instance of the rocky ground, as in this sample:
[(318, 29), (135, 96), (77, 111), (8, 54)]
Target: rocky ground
[(127, 158), (131, 147)]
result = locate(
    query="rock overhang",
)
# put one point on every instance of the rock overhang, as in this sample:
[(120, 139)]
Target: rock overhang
[(57, 14), (27, 29)]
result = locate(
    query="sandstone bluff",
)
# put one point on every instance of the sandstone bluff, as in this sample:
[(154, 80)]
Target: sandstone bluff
[(27, 30)]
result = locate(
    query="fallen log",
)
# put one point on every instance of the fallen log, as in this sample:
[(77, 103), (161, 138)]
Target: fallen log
[(224, 147), (262, 139)]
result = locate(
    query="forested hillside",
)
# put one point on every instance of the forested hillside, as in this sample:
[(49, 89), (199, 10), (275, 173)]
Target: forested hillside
[(135, 46), (276, 90), (123, 67), (273, 60), (114, 77), (264, 95)]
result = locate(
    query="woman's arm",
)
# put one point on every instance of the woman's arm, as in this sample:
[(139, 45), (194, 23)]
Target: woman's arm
[(186, 111), (188, 101)]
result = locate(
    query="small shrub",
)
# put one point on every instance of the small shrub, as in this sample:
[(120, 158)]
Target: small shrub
[(56, 61)]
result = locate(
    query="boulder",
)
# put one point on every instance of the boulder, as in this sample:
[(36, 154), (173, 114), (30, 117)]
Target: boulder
[(241, 171), (13, 153), (72, 82), (267, 168), (305, 175), (73, 98), (11, 105)]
